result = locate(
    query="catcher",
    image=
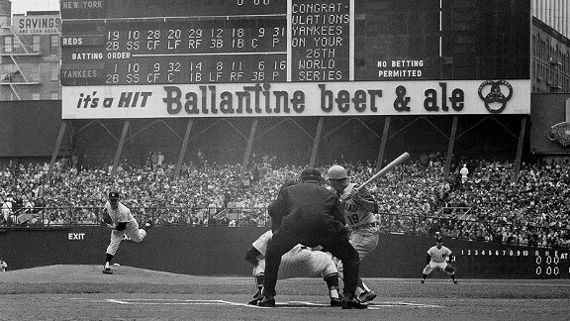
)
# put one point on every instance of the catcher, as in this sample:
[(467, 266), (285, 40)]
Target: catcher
[(118, 217), (437, 258), (300, 261)]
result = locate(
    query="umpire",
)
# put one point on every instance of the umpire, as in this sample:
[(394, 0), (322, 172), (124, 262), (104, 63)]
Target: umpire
[(309, 214)]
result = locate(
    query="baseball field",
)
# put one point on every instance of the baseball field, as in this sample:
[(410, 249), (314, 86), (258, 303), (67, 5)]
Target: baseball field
[(82, 292)]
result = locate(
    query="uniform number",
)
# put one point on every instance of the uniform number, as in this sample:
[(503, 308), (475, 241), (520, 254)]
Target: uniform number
[(353, 219)]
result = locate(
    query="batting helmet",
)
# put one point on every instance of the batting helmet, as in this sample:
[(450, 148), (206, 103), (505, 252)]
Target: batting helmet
[(336, 172)]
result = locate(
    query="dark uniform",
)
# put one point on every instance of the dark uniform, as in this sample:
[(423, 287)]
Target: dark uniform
[(271, 209), (311, 215)]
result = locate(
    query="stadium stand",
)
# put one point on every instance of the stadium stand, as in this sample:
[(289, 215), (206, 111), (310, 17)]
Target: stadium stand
[(416, 198)]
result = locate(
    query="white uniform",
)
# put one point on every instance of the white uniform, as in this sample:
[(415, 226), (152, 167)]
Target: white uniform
[(439, 258), (361, 220), (132, 231), (300, 261), (464, 172)]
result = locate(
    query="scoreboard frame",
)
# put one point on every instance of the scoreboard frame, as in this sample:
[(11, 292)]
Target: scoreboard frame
[(114, 49)]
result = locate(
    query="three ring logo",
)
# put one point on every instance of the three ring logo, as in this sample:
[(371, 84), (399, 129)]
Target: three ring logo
[(491, 93), (561, 133)]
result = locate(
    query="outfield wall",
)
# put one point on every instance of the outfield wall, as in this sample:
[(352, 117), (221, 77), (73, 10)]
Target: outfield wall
[(220, 251)]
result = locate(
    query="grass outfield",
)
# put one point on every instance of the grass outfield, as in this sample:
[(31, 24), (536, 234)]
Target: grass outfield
[(82, 292)]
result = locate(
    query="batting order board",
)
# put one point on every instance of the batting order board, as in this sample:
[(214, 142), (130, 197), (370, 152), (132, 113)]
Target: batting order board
[(236, 58)]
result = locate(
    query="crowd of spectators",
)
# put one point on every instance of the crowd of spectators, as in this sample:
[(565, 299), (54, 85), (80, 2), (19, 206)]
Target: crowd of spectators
[(417, 197)]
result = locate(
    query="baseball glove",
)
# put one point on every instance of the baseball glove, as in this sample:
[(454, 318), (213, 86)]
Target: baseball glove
[(107, 218), (449, 268)]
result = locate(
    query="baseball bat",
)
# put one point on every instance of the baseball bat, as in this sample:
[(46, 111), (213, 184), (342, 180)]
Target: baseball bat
[(386, 169)]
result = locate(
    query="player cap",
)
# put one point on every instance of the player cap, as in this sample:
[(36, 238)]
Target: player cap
[(336, 172), (114, 195), (311, 174)]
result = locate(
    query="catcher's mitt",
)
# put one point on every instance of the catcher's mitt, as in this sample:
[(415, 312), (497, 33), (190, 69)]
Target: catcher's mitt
[(107, 218)]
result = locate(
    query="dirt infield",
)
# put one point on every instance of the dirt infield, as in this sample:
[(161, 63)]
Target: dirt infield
[(82, 292)]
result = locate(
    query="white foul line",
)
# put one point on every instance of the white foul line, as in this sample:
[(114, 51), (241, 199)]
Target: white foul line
[(288, 304), (117, 301)]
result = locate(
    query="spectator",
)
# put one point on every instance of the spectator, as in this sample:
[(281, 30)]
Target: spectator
[(75, 160), (148, 160), (160, 159), (154, 159), (464, 172), (3, 265), (7, 207)]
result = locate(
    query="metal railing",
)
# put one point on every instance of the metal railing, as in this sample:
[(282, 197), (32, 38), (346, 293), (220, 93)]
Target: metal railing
[(45, 217), (19, 50), (470, 229), (462, 213)]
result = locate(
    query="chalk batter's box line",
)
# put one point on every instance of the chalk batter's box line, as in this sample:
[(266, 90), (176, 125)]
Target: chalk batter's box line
[(288, 304)]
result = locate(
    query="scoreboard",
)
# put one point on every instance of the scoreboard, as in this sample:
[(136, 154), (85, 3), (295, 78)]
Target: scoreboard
[(240, 41), (488, 260), (178, 52), (361, 51)]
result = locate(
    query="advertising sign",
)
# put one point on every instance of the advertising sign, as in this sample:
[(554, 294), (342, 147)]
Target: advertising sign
[(36, 24)]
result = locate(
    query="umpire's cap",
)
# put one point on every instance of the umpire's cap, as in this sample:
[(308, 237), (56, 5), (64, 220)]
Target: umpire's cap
[(311, 174), (114, 195)]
